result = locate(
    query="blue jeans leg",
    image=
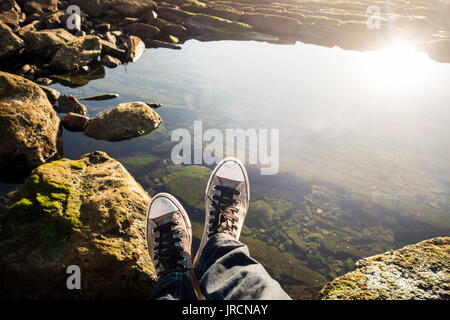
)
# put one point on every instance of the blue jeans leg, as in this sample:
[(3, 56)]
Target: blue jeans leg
[(227, 272), (173, 286)]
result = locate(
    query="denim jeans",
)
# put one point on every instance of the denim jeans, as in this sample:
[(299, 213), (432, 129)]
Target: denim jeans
[(226, 272)]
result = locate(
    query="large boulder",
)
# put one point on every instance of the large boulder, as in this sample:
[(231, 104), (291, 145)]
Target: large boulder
[(420, 271), (10, 43), (45, 43), (29, 127), (88, 213), (77, 53), (125, 121)]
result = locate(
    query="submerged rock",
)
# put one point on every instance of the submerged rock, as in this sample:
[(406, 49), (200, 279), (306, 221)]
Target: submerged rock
[(68, 103), (126, 121), (419, 271), (89, 213), (10, 43), (101, 97), (76, 54), (29, 127)]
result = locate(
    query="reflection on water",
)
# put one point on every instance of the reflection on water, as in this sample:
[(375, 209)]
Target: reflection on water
[(364, 145)]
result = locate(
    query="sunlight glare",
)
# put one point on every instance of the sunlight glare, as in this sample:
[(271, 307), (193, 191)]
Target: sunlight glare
[(399, 66)]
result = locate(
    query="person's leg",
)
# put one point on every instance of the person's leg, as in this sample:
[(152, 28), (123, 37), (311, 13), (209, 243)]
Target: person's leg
[(174, 286), (169, 239), (223, 265), (226, 271)]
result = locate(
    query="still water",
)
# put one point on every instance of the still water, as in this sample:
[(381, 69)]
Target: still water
[(364, 145)]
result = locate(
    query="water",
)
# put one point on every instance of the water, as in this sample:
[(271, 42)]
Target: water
[(364, 145)]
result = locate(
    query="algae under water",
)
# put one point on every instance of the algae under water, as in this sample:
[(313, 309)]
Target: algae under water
[(364, 145)]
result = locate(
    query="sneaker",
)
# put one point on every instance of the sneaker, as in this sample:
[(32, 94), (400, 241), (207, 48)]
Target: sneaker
[(226, 201), (169, 235)]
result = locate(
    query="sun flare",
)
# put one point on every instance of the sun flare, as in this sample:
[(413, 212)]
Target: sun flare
[(399, 66)]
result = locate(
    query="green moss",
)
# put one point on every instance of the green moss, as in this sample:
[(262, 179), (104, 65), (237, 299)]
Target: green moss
[(188, 183)]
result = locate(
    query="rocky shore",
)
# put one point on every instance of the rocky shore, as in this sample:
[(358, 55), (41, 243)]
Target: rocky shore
[(90, 211), (420, 271), (41, 38)]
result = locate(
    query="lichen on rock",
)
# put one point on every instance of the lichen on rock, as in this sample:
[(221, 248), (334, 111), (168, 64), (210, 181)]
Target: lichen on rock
[(419, 271), (88, 212)]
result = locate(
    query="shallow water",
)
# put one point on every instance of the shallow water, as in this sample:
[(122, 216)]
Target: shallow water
[(364, 145)]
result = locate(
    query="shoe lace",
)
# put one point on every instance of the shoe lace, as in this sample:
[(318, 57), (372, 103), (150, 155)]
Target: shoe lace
[(168, 249), (223, 217)]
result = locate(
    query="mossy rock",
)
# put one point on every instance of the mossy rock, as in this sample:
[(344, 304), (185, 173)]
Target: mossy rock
[(88, 212), (419, 271), (259, 215)]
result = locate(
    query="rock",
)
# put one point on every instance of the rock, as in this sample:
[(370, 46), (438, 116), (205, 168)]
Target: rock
[(74, 122), (102, 97), (76, 79), (125, 121), (44, 81), (10, 43), (153, 105), (45, 43), (110, 62), (76, 53), (419, 271), (110, 38), (89, 213), (271, 23), (56, 20), (168, 28), (29, 127), (132, 8), (142, 30), (136, 48), (160, 44), (95, 8), (40, 6), (12, 18), (33, 26), (52, 94), (439, 50), (109, 49), (68, 103), (6, 5), (104, 27)]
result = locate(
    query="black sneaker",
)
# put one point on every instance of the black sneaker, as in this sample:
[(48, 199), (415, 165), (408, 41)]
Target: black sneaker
[(226, 201), (169, 235)]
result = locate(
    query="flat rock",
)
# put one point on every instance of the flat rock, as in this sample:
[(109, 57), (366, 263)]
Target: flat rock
[(29, 127), (419, 271), (45, 43), (125, 121), (89, 213), (77, 53)]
